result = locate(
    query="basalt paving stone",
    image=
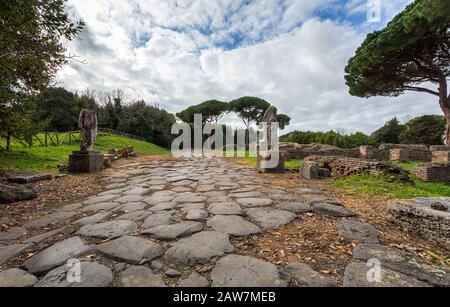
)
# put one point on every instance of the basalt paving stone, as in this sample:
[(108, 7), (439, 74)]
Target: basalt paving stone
[(57, 254), (242, 271), (163, 207), (219, 199), (174, 231), (72, 207), (356, 275), (129, 199), (138, 276), (161, 218), (172, 273), (270, 218), (195, 280), (101, 207), (131, 250), (101, 199), (12, 251), (233, 225), (51, 219), (47, 235), (226, 208), (160, 197), (357, 231), (137, 216), (182, 189), (199, 248), (92, 274), (16, 278), (109, 230), (137, 191), (254, 202), (295, 207), (96, 218), (12, 234), (189, 198), (307, 277), (245, 195), (188, 207), (131, 207), (196, 215)]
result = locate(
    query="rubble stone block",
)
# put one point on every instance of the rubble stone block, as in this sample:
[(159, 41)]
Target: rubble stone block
[(310, 170), (400, 155), (432, 172), (441, 157)]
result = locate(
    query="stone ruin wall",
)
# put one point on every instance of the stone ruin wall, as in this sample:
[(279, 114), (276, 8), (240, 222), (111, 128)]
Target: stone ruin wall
[(302, 151)]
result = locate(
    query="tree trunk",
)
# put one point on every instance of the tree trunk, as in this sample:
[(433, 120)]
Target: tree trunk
[(8, 142), (444, 101)]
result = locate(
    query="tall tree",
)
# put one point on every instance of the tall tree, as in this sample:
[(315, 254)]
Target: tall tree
[(413, 49), (32, 33), (249, 109), (428, 130), (211, 110), (389, 133)]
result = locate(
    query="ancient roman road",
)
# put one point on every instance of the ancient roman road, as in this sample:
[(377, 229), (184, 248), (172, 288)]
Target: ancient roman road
[(174, 220)]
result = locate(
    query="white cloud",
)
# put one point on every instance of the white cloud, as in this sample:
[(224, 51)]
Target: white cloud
[(173, 52)]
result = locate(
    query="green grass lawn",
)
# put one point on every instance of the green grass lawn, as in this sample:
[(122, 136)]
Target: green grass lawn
[(378, 185), (45, 159), (408, 165), (290, 165)]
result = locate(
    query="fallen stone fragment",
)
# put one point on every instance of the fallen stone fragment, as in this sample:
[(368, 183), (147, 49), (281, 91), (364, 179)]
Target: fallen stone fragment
[(307, 277), (16, 278), (138, 276), (332, 210), (92, 274), (254, 202), (359, 274), (23, 179), (295, 207), (172, 273), (242, 271), (404, 262)]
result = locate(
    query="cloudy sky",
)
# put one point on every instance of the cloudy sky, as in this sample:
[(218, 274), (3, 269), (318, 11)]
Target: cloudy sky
[(177, 53)]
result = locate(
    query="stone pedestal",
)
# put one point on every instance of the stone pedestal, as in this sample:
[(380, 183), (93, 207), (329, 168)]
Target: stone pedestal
[(264, 162), (310, 170), (86, 162)]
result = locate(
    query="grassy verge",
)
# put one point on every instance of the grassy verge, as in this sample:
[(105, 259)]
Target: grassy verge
[(408, 165), (45, 159), (378, 185), (290, 165)]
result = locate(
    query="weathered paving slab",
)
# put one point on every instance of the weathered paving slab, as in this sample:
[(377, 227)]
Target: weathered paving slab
[(12, 251), (171, 232), (109, 230), (307, 277), (56, 255), (233, 225), (161, 218), (96, 218), (270, 218), (131, 207), (23, 179), (92, 275), (51, 219), (189, 198), (356, 275), (357, 231), (11, 234), (16, 278), (163, 207), (254, 202), (196, 215), (295, 207), (131, 249), (243, 271), (199, 248), (404, 262), (137, 216), (101, 199), (47, 235), (101, 207), (195, 280), (138, 276), (225, 208)]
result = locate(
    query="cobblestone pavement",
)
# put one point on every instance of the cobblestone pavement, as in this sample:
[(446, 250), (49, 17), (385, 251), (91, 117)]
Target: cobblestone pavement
[(166, 223)]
